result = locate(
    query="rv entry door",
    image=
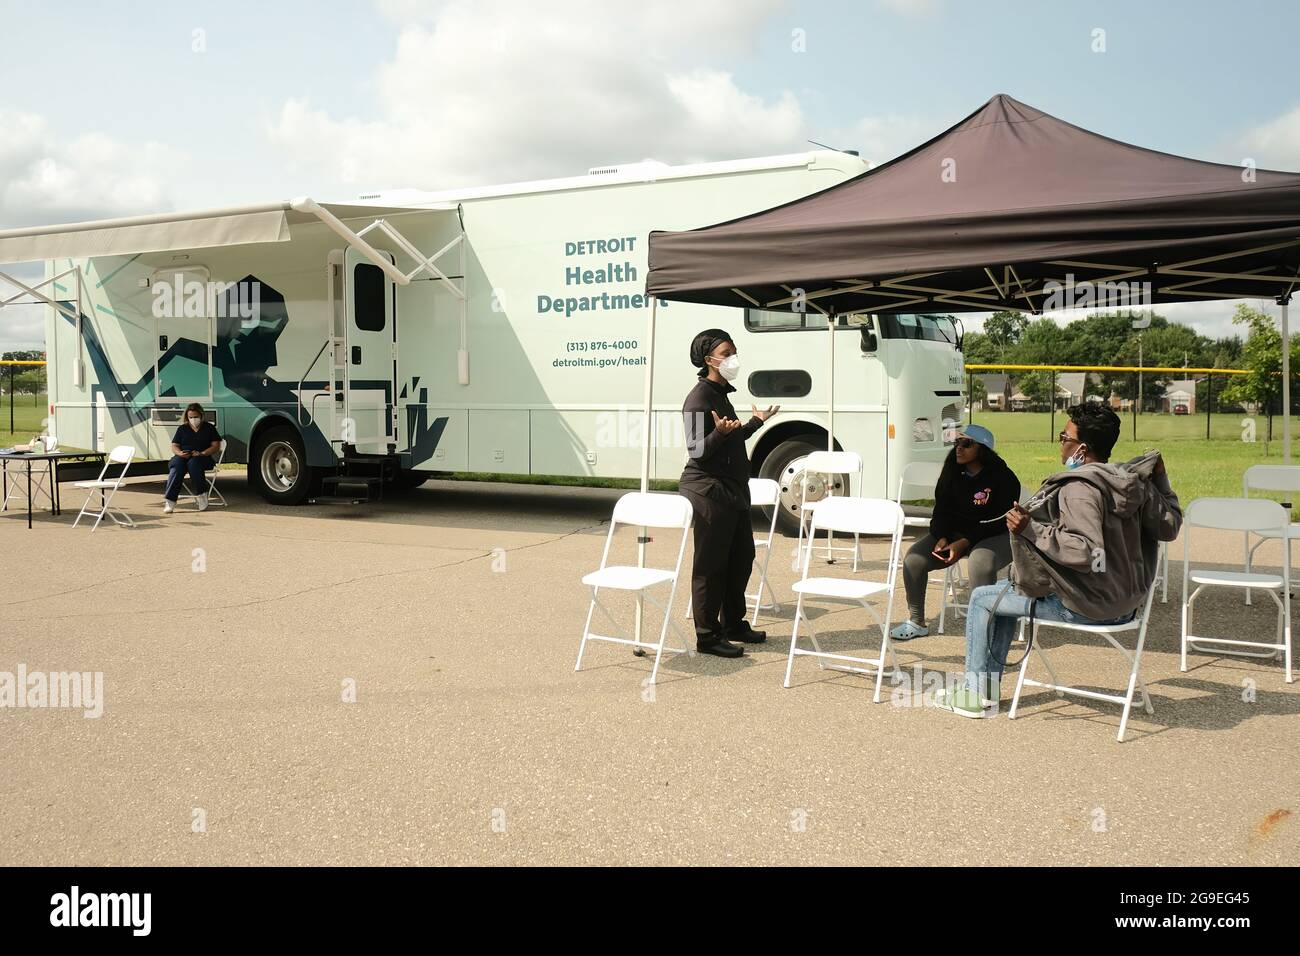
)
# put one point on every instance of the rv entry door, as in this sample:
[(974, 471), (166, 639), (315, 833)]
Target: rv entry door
[(370, 356)]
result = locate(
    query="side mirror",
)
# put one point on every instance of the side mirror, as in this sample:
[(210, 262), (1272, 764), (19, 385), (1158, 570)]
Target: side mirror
[(868, 343)]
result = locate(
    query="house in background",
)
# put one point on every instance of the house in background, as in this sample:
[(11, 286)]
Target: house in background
[(1180, 392), (997, 391), (1070, 387)]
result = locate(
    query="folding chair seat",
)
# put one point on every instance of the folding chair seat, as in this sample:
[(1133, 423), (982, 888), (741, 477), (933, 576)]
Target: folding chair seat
[(640, 510), (1256, 516), (856, 516), (1111, 633), (107, 488)]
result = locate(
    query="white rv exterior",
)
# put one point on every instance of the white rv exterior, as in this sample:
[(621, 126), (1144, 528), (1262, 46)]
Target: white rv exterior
[(523, 352)]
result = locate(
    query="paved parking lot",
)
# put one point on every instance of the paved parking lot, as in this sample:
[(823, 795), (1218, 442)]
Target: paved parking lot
[(229, 640)]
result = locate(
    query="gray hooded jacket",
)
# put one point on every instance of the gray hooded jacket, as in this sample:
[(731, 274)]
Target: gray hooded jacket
[(1093, 536)]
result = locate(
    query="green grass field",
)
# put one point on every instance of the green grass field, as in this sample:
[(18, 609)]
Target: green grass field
[(27, 418), (1198, 468)]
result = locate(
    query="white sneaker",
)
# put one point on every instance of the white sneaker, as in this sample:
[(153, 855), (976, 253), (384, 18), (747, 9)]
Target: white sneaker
[(203, 502), (168, 506)]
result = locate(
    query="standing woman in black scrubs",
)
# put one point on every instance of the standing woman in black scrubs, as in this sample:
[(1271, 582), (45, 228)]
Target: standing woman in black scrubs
[(716, 482)]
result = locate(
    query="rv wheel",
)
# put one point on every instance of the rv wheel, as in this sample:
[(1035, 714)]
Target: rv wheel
[(278, 466), (784, 464)]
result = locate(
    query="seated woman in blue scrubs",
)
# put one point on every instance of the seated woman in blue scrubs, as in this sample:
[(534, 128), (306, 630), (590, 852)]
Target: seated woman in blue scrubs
[(193, 446)]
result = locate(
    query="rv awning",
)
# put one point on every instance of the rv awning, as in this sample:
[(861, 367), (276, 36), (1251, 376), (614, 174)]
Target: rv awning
[(237, 225), (999, 212)]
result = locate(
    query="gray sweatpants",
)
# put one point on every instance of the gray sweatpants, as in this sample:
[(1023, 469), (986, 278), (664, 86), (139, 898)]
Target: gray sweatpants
[(983, 562)]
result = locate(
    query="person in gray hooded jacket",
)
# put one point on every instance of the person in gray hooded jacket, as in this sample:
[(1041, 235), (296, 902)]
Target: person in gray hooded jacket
[(1085, 551)]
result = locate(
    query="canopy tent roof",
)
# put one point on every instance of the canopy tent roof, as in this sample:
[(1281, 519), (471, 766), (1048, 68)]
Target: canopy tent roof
[(163, 232), (1000, 212)]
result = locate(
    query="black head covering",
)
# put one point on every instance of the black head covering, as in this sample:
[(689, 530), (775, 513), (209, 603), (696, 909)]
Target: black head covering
[(703, 344)]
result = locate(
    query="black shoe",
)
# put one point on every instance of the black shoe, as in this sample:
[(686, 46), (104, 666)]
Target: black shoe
[(719, 648), (746, 634)]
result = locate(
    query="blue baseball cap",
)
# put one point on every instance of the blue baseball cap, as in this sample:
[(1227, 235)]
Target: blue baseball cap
[(978, 433)]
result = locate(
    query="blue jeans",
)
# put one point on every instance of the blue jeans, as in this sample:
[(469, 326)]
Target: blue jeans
[(194, 466), (985, 656)]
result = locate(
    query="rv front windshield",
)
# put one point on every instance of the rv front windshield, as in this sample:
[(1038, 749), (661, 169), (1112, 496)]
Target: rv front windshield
[(933, 328)]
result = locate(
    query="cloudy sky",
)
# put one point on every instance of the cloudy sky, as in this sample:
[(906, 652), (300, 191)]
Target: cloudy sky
[(115, 109)]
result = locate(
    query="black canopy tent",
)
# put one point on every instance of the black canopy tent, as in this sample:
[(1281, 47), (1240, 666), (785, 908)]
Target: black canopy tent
[(1010, 209)]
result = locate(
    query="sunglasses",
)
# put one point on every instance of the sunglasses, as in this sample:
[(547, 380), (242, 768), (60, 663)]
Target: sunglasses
[(965, 443), (1063, 437)]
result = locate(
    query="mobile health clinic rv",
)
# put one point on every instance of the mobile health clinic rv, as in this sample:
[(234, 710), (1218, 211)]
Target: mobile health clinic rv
[(342, 348)]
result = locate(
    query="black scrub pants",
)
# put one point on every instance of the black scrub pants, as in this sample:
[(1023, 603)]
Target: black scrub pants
[(724, 559)]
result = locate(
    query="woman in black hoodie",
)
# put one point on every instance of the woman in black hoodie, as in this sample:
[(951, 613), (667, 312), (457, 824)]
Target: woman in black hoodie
[(716, 482), (974, 486)]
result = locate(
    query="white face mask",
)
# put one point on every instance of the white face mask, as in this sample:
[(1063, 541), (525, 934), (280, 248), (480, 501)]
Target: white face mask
[(729, 367), (195, 423)]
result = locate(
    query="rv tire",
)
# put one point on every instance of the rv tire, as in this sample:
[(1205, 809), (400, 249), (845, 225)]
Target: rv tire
[(777, 466), (278, 467)]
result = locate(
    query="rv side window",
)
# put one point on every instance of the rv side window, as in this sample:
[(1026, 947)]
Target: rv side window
[(780, 383), (786, 320), (368, 297)]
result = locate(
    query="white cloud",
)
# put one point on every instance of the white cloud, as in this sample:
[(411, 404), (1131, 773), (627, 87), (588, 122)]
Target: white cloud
[(882, 138), (1274, 144), (44, 179), (489, 92)]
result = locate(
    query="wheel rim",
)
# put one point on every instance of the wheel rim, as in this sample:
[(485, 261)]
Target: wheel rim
[(791, 480), (280, 466)]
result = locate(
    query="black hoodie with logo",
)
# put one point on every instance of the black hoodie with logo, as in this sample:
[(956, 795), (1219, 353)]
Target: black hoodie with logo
[(969, 500)]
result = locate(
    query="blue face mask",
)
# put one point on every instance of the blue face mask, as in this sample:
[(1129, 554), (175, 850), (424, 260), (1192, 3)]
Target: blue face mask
[(1075, 460)]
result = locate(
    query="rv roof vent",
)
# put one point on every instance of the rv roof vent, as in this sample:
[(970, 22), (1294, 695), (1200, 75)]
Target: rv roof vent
[(646, 165)]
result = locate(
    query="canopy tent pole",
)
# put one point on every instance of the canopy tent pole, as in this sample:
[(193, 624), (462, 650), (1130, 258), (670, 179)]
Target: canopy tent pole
[(830, 380), (1285, 301), (646, 430), (649, 395)]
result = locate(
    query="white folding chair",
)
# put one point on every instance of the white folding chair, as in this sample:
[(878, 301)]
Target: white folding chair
[(823, 472), (1111, 633), (214, 496), (107, 488), (856, 516), (1285, 478), (763, 493), (1252, 516), (641, 510), (917, 481)]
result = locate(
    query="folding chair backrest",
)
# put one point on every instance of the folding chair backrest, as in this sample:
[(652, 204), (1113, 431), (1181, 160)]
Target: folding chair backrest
[(1270, 478), (121, 455), (222, 453), (918, 480), (1236, 514), (857, 515), (649, 509), (764, 491), (833, 462)]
